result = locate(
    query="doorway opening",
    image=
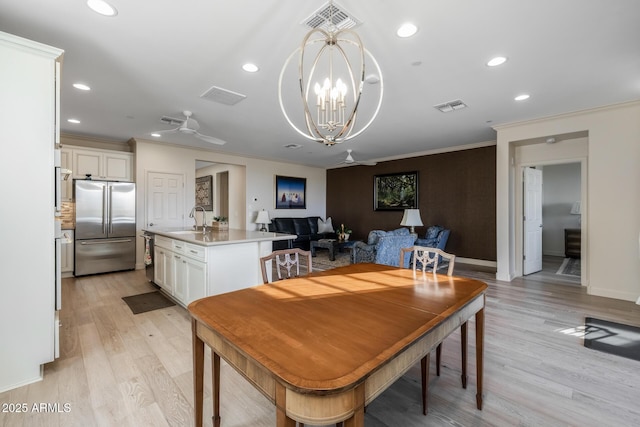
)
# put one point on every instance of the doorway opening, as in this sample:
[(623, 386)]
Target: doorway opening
[(559, 250), (552, 221)]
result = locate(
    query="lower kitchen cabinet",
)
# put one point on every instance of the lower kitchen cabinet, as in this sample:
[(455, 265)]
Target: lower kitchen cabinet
[(180, 269), (160, 263), (195, 279)]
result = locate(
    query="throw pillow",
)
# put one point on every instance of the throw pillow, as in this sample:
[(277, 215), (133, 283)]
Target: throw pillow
[(325, 226)]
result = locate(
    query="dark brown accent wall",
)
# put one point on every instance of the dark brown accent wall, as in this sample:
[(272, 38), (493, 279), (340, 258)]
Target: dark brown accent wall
[(456, 190)]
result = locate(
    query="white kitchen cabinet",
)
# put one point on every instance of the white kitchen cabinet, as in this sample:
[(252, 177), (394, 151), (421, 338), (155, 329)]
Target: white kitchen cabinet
[(195, 279), (179, 275), (180, 269), (190, 278), (66, 186), (66, 259), (161, 257), (29, 105), (102, 164)]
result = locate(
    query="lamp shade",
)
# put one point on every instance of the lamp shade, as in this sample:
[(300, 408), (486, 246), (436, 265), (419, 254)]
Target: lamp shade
[(411, 218), (263, 217)]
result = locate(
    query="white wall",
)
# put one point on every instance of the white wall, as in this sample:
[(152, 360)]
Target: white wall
[(259, 188), (611, 206), (561, 188)]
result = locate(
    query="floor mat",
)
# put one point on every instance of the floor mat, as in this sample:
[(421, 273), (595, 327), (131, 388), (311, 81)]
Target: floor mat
[(570, 267), (613, 338), (147, 302)]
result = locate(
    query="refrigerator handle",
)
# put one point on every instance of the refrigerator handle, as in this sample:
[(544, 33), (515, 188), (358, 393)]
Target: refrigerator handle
[(104, 210), (110, 209)]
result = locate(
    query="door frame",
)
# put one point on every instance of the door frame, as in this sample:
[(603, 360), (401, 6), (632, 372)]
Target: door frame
[(518, 212)]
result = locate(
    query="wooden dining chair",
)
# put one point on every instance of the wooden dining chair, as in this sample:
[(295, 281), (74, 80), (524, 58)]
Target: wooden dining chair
[(426, 258), (287, 263)]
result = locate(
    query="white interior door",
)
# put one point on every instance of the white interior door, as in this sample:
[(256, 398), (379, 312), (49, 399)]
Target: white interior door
[(165, 200), (532, 209)]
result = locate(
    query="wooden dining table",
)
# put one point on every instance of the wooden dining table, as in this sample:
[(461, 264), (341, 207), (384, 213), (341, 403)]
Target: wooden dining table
[(323, 346)]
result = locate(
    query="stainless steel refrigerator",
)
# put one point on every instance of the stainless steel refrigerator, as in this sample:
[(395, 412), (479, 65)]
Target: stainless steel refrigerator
[(105, 226)]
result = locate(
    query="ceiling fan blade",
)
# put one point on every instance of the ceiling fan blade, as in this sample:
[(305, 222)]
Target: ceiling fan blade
[(168, 131), (366, 163), (210, 139)]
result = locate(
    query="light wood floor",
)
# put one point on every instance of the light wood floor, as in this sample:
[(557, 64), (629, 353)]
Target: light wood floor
[(120, 369)]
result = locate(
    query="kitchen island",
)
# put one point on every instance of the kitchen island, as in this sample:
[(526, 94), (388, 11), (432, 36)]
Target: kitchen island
[(192, 264)]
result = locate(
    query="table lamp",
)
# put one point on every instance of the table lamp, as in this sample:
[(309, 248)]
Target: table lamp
[(411, 218), (576, 209), (263, 218)]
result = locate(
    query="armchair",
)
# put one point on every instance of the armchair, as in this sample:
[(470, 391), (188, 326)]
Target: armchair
[(435, 237), (383, 247)]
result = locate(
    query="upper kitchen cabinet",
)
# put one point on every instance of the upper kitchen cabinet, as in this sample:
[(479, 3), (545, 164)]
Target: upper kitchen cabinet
[(101, 164), (66, 185)]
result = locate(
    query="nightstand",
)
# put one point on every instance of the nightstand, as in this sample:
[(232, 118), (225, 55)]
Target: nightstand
[(572, 242)]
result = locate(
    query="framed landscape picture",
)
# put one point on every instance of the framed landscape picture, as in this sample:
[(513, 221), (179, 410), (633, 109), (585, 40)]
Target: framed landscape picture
[(204, 192), (394, 192), (291, 192)]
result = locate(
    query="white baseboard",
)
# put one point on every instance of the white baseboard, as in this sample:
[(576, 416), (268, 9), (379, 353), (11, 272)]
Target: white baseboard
[(474, 261)]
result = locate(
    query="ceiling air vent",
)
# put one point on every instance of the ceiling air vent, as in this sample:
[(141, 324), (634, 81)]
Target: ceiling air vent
[(223, 96), (450, 106), (341, 19), (171, 121)]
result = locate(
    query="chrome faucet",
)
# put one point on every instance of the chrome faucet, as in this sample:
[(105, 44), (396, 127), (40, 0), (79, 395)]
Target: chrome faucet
[(204, 219)]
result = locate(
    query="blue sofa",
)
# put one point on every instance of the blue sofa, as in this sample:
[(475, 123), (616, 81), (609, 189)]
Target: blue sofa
[(383, 247)]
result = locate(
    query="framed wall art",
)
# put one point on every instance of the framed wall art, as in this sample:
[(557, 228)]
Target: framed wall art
[(394, 192), (204, 192), (291, 192)]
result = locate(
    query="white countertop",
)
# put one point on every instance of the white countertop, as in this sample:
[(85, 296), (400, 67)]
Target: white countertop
[(215, 238)]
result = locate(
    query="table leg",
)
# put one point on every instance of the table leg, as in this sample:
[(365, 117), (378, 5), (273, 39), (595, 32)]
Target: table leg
[(479, 355), (463, 345), (332, 253), (215, 392), (424, 370), (313, 249), (357, 420), (281, 408), (198, 373)]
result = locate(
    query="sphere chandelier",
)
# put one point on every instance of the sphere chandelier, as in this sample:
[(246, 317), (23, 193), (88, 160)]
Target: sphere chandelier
[(331, 78)]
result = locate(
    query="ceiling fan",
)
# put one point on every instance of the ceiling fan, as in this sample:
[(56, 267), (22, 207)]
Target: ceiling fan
[(190, 127), (349, 160)]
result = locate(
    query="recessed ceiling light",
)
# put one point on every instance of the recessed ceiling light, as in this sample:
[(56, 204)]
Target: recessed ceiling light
[(250, 68), (521, 97), (498, 60), (102, 7), (407, 30), (81, 86), (74, 121), (157, 135)]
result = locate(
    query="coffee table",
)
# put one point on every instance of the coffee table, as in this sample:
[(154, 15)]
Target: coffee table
[(332, 245)]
